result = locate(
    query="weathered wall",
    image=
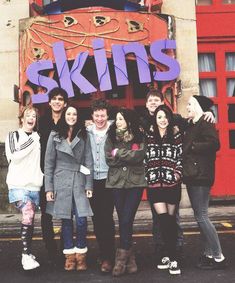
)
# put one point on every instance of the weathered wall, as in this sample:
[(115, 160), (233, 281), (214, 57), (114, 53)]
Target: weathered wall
[(186, 40), (10, 12)]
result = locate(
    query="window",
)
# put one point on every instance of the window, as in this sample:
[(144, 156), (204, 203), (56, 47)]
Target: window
[(232, 139), (214, 108), (206, 62), (230, 61), (208, 87), (203, 2), (231, 87)]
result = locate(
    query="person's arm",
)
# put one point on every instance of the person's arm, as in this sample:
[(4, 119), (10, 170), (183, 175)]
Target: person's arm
[(179, 167), (131, 156), (18, 149), (89, 164), (111, 160), (180, 122), (49, 166)]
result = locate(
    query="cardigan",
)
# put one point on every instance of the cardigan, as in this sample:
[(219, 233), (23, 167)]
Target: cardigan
[(163, 160)]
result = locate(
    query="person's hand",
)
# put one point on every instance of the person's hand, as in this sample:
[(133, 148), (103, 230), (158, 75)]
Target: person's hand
[(89, 193), (114, 152), (177, 177), (209, 117), (88, 123), (50, 196)]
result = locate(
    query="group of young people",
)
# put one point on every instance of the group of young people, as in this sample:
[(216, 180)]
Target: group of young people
[(89, 170)]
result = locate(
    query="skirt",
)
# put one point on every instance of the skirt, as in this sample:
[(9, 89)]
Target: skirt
[(170, 195)]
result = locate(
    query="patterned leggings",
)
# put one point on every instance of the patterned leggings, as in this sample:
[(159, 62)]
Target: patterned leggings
[(28, 213)]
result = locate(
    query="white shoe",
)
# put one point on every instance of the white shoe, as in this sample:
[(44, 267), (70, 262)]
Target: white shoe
[(29, 262), (174, 268), (164, 263)]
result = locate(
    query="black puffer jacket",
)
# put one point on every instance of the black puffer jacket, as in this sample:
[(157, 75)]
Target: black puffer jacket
[(199, 153)]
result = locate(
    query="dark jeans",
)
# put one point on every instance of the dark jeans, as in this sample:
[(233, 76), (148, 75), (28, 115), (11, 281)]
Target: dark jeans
[(104, 228), (126, 202), (157, 234), (47, 225), (199, 198), (81, 231)]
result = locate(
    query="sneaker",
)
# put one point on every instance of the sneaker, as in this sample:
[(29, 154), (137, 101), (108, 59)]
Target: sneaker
[(212, 264), (174, 268), (28, 262), (164, 263)]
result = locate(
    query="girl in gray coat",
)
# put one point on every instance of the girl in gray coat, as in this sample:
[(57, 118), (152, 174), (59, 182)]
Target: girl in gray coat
[(68, 184)]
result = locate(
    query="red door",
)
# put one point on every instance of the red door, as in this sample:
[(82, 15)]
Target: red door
[(217, 80)]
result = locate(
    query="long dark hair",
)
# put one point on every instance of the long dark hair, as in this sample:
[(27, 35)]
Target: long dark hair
[(133, 125), (78, 129), (170, 128)]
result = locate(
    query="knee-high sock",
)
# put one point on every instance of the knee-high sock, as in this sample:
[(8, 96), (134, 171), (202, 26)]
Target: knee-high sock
[(169, 232)]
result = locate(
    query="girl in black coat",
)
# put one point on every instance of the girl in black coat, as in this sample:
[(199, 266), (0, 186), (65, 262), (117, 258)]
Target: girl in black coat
[(199, 153)]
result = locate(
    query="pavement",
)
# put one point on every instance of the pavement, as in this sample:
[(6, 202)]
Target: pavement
[(222, 215)]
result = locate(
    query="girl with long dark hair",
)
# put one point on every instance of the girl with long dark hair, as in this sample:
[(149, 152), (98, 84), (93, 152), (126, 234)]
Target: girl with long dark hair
[(124, 149), (68, 184), (163, 171)]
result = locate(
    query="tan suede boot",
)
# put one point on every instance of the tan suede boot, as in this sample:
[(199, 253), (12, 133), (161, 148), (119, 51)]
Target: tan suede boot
[(70, 262), (120, 262), (81, 262), (131, 266)]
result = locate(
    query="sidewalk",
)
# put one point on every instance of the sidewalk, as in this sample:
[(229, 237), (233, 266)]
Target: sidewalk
[(223, 217)]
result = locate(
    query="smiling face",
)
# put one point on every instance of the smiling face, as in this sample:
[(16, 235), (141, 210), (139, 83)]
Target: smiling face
[(152, 103), (100, 119), (29, 120), (161, 120), (57, 103), (120, 122), (71, 116)]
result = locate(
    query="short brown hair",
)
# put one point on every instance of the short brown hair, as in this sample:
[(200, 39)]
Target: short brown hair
[(155, 92)]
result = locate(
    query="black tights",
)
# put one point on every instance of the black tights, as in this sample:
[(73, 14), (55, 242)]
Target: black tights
[(169, 233)]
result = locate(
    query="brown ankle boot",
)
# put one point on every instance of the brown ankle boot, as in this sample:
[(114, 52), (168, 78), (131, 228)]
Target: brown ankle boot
[(70, 262), (120, 262), (106, 266), (81, 261), (131, 266)]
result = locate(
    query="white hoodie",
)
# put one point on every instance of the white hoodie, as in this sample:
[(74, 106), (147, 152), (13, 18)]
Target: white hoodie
[(23, 155)]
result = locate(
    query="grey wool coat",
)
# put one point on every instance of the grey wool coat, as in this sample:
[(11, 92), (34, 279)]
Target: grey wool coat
[(63, 176)]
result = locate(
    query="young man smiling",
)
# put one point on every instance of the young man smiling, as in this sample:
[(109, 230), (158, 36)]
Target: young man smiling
[(58, 99), (102, 201)]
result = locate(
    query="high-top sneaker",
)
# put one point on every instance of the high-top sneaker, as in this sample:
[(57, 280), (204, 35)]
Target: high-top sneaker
[(164, 263), (174, 268)]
